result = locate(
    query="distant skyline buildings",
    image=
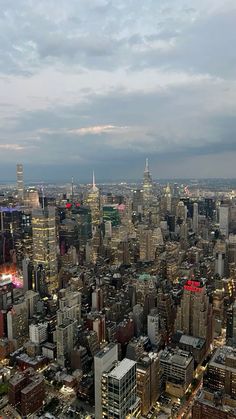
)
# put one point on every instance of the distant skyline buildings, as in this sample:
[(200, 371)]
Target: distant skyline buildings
[(119, 170), (103, 94)]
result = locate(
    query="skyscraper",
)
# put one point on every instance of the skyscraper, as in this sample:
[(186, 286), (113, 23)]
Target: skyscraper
[(194, 315), (153, 328), (224, 219), (147, 185), (20, 181), (93, 201), (102, 361), (119, 391), (44, 244), (195, 217), (66, 339)]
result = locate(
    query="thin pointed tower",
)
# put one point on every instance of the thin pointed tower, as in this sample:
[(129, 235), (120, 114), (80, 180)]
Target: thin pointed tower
[(147, 185)]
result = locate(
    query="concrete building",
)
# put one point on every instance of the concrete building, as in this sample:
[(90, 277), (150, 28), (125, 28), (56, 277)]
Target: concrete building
[(153, 329), (66, 336), (17, 322), (195, 217), (69, 305), (195, 314), (20, 181), (45, 244), (148, 381), (102, 361), (119, 391), (213, 405), (221, 372), (26, 392), (38, 333), (224, 219), (178, 368)]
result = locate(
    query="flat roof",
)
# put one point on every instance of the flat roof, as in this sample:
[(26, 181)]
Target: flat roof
[(104, 351), (122, 368)]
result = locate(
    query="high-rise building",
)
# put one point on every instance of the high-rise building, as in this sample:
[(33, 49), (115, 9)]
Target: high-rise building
[(17, 322), (93, 201), (167, 199), (220, 257), (195, 314), (102, 361), (148, 381), (66, 334), (147, 186), (153, 328), (45, 244), (119, 391), (213, 405), (38, 332), (231, 325), (195, 217), (221, 372), (178, 368), (138, 201), (69, 306), (26, 392), (224, 219), (31, 198), (32, 299), (20, 181), (149, 239)]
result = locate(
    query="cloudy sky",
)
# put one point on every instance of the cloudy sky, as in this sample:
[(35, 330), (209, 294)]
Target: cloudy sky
[(102, 84)]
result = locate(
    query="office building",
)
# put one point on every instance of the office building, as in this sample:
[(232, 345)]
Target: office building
[(20, 181), (148, 381), (231, 325), (221, 372), (213, 405), (119, 391), (178, 368), (195, 217), (31, 298), (195, 313), (26, 392), (224, 219), (102, 361), (66, 338), (17, 322), (147, 186), (153, 329), (69, 306), (45, 244), (220, 258), (31, 198), (93, 201), (38, 333)]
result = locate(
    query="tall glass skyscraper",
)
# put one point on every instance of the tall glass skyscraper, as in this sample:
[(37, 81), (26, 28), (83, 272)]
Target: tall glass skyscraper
[(20, 181), (45, 244)]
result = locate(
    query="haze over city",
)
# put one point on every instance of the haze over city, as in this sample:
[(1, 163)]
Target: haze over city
[(101, 84)]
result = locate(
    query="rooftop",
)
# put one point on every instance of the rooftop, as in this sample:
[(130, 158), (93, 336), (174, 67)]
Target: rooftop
[(224, 358), (192, 341), (104, 351), (176, 356), (122, 368)]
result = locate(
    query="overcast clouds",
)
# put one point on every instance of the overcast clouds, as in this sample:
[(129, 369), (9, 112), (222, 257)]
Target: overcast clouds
[(104, 83)]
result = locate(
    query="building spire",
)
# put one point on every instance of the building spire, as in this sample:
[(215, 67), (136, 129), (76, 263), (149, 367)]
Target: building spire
[(94, 184), (72, 189), (147, 165)]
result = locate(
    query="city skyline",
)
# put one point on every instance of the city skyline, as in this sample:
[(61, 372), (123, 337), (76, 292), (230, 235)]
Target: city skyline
[(102, 84)]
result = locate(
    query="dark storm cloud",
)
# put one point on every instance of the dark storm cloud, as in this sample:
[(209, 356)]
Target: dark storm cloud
[(103, 83)]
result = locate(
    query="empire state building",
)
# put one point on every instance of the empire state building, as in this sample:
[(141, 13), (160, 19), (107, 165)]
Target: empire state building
[(147, 185)]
